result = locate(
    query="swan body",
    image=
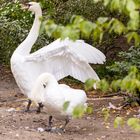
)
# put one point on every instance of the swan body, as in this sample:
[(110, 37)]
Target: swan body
[(60, 58), (53, 96)]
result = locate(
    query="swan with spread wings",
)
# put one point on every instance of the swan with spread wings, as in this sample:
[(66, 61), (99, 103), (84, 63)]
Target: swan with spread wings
[(60, 58)]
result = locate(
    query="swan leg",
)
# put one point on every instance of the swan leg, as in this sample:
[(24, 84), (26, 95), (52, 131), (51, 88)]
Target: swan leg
[(28, 106), (62, 129), (56, 130), (66, 122), (49, 128), (40, 105)]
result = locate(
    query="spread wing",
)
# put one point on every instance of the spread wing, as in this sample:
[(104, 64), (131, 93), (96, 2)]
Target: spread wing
[(59, 59), (90, 53)]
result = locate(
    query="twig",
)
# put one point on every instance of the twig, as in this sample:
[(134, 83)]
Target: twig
[(117, 94)]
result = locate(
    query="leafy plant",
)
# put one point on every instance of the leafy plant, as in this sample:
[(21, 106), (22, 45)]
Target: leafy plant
[(106, 113), (127, 59), (119, 121), (14, 27), (78, 111), (134, 123), (120, 26)]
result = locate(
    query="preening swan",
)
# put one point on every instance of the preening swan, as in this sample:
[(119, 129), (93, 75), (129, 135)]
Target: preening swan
[(60, 58), (46, 90)]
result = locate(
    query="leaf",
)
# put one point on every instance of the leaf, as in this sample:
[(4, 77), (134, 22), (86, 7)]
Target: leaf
[(115, 5), (133, 35), (103, 85), (58, 31), (66, 105), (102, 20), (89, 110), (106, 2), (78, 111), (131, 5), (76, 20), (117, 26), (115, 85), (86, 28), (98, 34), (96, 1), (70, 32), (134, 123), (50, 27), (133, 23), (106, 113), (118, 121), (89, 84)]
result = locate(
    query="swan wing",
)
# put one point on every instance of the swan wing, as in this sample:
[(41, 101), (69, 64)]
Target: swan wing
[(91, 54), (61, 61)]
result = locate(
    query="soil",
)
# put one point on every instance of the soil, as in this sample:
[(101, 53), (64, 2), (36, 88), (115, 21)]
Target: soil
[(18, 125)]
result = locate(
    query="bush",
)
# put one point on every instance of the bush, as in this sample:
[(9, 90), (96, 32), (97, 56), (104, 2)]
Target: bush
[(14, 27), (127, 59)]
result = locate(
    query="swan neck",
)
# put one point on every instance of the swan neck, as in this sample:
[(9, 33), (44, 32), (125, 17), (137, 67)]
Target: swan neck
[(26, 45)]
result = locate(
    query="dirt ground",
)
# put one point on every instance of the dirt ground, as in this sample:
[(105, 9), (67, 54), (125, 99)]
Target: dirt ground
[(18, 125)]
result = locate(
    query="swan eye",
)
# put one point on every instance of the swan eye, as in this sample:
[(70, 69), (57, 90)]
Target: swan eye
[(29, 5), (44, 85)]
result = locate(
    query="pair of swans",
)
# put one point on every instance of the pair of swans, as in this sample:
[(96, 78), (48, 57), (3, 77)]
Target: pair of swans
[(60, 58)]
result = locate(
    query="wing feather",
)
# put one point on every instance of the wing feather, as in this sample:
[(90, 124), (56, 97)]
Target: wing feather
[(61, 62), (91, 54)]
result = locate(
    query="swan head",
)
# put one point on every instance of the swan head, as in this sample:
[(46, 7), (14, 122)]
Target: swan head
[(46, 79), (33, 7)]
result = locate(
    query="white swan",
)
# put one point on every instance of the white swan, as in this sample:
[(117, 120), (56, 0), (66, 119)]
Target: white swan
[(53, 96), (61, 58)]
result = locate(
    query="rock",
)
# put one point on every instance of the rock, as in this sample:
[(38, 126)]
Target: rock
[(39, 129), (11, 109)]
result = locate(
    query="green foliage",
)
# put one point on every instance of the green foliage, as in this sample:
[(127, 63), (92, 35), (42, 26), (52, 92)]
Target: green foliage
[(77, 27), (89, 110), (128, 8), (106, 113), (103, 85), (127, 59), (14, 27), (89, 84), (11, 32), (129, 84), (134, 123), (115, 85), (78, 111), (96, 30), (117, 27), (119, 121), (66, 105)]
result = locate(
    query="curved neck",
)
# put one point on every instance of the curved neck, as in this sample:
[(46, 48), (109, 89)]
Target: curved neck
[(26, 45)]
